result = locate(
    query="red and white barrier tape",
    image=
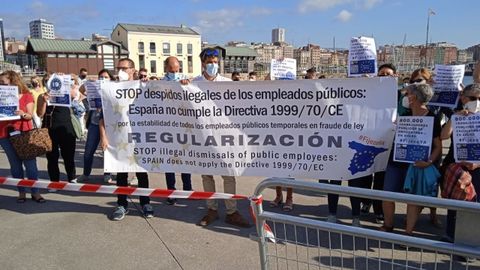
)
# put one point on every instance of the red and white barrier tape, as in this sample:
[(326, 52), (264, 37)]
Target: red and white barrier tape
[(134, 191)]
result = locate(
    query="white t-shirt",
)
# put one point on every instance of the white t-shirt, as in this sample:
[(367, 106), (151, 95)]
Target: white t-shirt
[(218, 78)]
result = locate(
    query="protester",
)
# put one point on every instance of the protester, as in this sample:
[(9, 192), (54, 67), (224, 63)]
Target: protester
[(25, 111), (417, 97), (209, 60), (173, 74), (143, 75), (469, 104), (93, 136), (252, 76), (37, 90), (235, 76), (82, 76), (311, 74), (58, 121), (126, 70)]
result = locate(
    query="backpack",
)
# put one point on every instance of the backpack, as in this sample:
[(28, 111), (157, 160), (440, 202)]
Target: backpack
[(457, 184)]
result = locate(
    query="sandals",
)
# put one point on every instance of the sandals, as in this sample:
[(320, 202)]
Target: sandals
[(288, 206), (38, 199), (21, 200), (386, 228), (277, 201)]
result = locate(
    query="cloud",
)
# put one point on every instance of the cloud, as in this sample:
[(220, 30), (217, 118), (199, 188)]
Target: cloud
[(344, 16), (220, 20), (322, 5), (260, 11), (308, 5)]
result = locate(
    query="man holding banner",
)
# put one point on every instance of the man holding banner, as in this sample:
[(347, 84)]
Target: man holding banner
[(126, 69), (209, 59)]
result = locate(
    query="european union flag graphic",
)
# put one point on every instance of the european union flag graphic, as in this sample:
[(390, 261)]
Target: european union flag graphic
[(364, 156)]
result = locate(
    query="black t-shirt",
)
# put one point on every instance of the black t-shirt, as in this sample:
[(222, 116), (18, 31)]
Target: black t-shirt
[(57, 117), (437, 129)]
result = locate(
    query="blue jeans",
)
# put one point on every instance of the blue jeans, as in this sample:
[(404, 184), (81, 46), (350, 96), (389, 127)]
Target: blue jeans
[(186, 179), (93, 139), (16, 165)]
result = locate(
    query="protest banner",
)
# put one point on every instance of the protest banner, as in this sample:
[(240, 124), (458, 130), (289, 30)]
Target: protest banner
[(283, 69), (59, 90), (446, 85), (9, 102), (93, 94), (362, 57), (466, 137), (329, 129), (413, 138)]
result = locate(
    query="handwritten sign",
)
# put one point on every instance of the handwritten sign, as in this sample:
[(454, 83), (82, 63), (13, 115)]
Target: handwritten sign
[(413, 138), (285, 69)]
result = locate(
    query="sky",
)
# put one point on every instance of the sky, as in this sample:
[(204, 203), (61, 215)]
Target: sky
[(305, 21)]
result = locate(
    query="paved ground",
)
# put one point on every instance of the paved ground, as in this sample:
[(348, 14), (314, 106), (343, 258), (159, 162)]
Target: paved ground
[(72, 231)]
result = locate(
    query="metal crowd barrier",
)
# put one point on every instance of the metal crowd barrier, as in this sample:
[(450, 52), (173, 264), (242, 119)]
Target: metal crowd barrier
[(303, 243)]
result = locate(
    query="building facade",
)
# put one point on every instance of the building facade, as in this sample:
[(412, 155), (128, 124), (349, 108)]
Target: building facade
[(42, 29), (69, 56), (150, 45), (2, 42), (278, 35)]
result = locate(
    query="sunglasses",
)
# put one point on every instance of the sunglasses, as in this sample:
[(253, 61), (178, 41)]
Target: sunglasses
[(142, 76), (419, 80), (473, 98)]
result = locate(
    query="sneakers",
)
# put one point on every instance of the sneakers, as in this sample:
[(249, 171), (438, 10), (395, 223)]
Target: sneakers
[(332, 219), (80, 179), (379, 219), (356, 222), (73, 181), (119, 213), (210, 217), (133, 181), (237, 220), (171, 201), (147, 211)]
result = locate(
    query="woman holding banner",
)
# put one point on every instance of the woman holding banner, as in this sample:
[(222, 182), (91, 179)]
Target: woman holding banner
[(416, 98), (469, 104), (25, 111)]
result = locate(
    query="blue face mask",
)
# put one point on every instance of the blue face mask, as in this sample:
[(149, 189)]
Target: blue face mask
[(212, 69), (172, 76)]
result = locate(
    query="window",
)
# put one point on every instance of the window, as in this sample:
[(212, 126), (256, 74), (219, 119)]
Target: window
[(72, 56), (61, 55), (108, 64), (179, 49), (153, 66), (189, 49), (166, 48), (152, 47), (91, 56), (51, 55), (82, 56), (140, 47), (181, 66), (141, 61), (190, 64)]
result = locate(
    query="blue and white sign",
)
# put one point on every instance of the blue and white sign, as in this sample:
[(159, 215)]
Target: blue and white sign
[(8, 102), (362, 57), (446, 85), (59, 90), (93, 94), (283, 69), (413, 138), (466, 137)]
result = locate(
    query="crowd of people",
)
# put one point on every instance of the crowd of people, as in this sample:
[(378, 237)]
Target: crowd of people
[(413, 98)]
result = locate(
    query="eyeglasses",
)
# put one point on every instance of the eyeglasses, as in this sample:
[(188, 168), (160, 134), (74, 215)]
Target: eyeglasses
[(473, 98), (141, 76), (419, 80)]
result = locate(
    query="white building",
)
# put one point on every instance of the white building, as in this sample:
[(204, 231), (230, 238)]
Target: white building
[(42, 29), (278, 35), (150, 45)]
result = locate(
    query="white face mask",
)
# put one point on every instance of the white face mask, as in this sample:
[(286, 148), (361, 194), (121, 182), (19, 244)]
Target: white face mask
[(123, 76), (211, 69), (473, 106), (406, 102)]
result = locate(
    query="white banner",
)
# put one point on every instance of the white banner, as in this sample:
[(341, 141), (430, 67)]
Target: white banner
[(328, 129), (362, 57), (9, 102), (466, 137), (284, 69), (413, 138), (446, 85)]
